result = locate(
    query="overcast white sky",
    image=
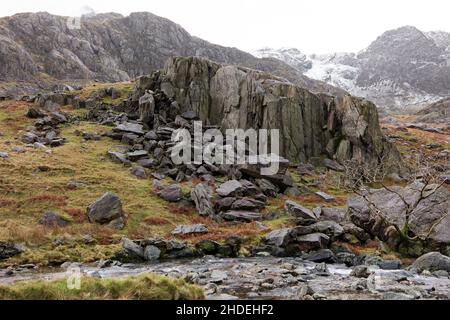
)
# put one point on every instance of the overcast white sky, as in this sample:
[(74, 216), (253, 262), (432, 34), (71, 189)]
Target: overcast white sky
[(313, 26)]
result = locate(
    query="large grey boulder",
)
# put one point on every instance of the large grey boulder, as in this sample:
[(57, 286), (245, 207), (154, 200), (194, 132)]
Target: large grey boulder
[(429, 219), (433, 261), (107, 210)]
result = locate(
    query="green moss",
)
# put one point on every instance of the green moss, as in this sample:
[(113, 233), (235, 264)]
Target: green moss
[(145, 287)]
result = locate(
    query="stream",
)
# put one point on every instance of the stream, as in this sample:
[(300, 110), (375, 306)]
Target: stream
[(267, 278)]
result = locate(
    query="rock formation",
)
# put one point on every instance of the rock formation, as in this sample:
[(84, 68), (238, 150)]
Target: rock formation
[(234, 97)]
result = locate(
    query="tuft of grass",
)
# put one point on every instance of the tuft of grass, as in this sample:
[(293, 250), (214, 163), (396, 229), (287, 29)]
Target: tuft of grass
[(144, 287)]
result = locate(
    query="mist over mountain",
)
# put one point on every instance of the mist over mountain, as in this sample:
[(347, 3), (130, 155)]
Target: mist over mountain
[(402, 67)]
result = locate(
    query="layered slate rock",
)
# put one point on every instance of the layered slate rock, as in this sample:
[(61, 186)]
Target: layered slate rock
[(182, 230)]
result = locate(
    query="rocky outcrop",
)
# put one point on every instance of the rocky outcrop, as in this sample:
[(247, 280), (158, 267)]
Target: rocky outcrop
[(429, 219), (310, 125)]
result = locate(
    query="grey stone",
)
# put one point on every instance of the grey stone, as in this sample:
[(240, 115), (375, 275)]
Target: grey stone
[(245, 216), (8, 250), (132, 248), (171, 193), (304, 215), (105, 209), (325, 196), (190, 229), (360, 272), (433, 261), (130, 128), (151, 253), (51, 219), (201, 196), (139, 172), (313, 241), (136, 155), (229, 188)]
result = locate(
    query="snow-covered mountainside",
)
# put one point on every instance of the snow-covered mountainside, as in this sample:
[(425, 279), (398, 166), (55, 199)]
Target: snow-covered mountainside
[(402, 68)]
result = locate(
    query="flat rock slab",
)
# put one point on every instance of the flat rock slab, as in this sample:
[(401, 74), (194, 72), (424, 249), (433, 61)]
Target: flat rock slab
[(136, 155), (229, 188), (245, 216), (325, 196), (190, 229), (130, 127)]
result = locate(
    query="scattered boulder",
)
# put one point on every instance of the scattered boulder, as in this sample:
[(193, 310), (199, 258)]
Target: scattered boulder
[(4, 155), (279, 238), (360, 272), (303, 215), (325, 196), (171, 193), (132, 249), (139, 172), (247, 204), (200, 194), (130, 128), (313, 241), (107, 210), (51, 219), (190, 229), (230, 188), (151, 253), (319, 256), (433, 261), (245, 216), (8, 250)]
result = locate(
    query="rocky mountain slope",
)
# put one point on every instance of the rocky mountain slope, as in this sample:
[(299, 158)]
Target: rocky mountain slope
[(438, 112), (402, 67), (40, 48)]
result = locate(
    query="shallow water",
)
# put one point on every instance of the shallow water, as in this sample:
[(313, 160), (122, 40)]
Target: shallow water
[(267, 278)]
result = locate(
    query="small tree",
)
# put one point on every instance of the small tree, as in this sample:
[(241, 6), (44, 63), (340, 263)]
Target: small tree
[(359, 178)]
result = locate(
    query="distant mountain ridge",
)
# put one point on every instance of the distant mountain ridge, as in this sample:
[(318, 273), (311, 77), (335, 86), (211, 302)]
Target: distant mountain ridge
[(39, 49), (403, 67)]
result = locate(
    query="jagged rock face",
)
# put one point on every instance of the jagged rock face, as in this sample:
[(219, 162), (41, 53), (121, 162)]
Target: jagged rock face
[(406, 55), (111, 47), (310, 125)]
